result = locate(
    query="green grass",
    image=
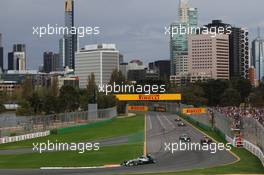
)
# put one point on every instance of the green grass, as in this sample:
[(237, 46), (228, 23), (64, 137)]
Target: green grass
[(106, 155), (114, 128)]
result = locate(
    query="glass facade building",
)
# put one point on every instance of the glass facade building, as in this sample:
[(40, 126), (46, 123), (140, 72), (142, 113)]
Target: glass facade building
[(70, 41), (188, 18), (258, 58), (1, 54)]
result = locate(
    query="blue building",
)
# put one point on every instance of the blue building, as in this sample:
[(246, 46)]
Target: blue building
[(258, 58), (188, 21)]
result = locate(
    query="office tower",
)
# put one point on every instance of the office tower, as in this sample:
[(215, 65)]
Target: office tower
[(51, 62), (238, 49), (188, 17), (258, 58), (62, 53), (17, 58), (10, 61), (1, 54), (98, 59), (162, 67), (70, 40), (183, 11), (209, 55)]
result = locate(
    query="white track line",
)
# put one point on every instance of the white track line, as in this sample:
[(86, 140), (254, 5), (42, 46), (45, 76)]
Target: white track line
[(160, 121), (150, 123), (168, 121), (74, 168)]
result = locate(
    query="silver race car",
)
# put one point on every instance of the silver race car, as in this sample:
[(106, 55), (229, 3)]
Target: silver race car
[(139, 161)]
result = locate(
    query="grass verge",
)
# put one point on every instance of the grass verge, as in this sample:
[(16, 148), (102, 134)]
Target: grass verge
[(114, 128), (106, 155)]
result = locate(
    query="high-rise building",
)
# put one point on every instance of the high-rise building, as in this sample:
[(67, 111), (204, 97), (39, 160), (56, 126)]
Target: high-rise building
[(188, 18), (17, 58), (70, 40), (51, 62), (99, 59), (62, 53), (162, 67), (1, 54), (258, 58), (209, 55), (252, 76), (238, 49), (239, 53)]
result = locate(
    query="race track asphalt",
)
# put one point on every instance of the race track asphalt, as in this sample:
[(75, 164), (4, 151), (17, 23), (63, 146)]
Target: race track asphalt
[(161, 129)]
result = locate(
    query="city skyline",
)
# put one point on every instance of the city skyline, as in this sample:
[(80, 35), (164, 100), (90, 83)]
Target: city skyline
[(147, 41)]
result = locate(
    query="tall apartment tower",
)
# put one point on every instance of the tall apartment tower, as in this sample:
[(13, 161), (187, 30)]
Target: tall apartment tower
[(17, 58), (69, 40), (258, 58), (1, 54), (188, 17), (51, 62), (238, 49), (209, 55)]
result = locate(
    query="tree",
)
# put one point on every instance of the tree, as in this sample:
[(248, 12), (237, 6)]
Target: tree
[(243, 86), (230, 97), (91, 89), (54, 89), (2, 108), (213, 91), (27, 88), (83, 99), (36, 102), (105, 101), (256, 98), (118, 78), (51, 105), (69, 99), (194, 95), (24, 108)]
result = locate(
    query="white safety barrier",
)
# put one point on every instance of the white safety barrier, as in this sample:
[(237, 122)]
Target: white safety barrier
[(230, 140), (248, 146), (254, 150), (24, 137)]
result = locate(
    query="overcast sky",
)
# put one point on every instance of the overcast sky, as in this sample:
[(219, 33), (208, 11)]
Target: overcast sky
[(135, 26)]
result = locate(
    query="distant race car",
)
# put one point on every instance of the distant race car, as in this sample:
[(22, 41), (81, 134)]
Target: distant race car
[(184, 138), (206, 140), (181, 124), (139, 161), (177, 119)]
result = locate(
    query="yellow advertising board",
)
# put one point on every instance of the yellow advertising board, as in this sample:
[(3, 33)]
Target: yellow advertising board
[(193, 111), (146, 97), (137, 108)]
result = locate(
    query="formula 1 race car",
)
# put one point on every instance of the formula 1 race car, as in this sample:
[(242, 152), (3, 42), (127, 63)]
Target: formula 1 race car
[(139, 161), (184, 138), (181, 124), (177, 120), (206, 140)]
